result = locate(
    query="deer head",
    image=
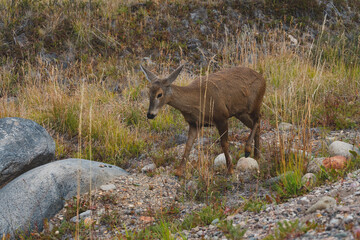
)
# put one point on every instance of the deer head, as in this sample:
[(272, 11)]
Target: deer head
[(159, 90)]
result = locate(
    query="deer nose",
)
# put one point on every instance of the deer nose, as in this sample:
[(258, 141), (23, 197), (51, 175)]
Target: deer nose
[(150, 115)]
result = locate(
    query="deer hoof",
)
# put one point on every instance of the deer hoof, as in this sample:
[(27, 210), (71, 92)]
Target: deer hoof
[(247, 154)]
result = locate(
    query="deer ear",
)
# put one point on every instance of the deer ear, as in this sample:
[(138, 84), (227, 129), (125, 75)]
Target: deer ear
[(149, 75), (173, 75)]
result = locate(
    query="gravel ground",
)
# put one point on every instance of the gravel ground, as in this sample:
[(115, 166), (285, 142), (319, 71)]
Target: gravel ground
[(137, 199)]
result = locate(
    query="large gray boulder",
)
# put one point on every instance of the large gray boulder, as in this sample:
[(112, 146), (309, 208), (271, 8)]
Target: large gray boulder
[(40, 193), (342, 148), (24, 145)]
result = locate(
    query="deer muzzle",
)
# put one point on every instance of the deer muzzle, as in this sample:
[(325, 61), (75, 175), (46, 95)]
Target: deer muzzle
[(150, 115)]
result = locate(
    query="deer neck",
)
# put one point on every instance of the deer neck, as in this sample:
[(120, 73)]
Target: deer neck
[(185, 99)]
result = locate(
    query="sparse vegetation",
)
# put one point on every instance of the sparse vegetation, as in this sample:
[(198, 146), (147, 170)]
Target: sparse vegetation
[(290, 229), (254, 205), (231, 232)]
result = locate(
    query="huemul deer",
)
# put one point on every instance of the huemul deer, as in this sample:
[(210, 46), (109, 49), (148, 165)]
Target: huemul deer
[(211, 100)]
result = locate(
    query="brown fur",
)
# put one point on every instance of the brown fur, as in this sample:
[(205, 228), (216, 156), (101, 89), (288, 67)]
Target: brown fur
[(211, 100)]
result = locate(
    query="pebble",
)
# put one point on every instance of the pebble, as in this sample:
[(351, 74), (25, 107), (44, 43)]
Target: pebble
[(148, 168), (215, 221), (348, 219), (107, 187), (334, 222), (81, 216), (304, 201), (220, 162), (283, 126), (308, 180)]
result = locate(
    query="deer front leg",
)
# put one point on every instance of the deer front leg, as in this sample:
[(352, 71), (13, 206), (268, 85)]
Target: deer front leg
[(189, 143), (250, 139), (223, 131)]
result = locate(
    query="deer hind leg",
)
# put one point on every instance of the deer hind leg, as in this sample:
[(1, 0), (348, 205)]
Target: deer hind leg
[(253, 124), (189, 143), (223, 131), (257, 141)]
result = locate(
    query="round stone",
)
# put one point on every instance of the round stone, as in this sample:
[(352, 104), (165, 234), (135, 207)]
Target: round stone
[(308, 180), (247, 169), (247, 165), (220, 162)]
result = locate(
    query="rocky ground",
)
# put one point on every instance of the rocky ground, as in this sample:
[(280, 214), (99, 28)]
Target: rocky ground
[(136, 200)]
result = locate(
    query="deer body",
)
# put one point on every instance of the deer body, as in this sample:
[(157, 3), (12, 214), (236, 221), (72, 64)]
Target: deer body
[(212, 100)]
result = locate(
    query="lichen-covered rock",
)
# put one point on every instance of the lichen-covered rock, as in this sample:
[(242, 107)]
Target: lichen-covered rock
[(247, 168), (308, 180), (336, 162), (24, 145), (41, 192)]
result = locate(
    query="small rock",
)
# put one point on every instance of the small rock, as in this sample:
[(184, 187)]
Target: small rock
[(336, 162), (303, 201), (355, 185), (107, 187), (215, 221), (220, 162), (283, 126), (148, 168), (314, 165), (247, 164), (81, 216), (334, 222), (348, 219), (342, 148), (247, 168), (324, 203), (308, 180), (341, 235)]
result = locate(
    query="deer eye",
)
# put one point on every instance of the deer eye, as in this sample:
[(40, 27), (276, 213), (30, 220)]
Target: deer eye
[(159, 95)]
